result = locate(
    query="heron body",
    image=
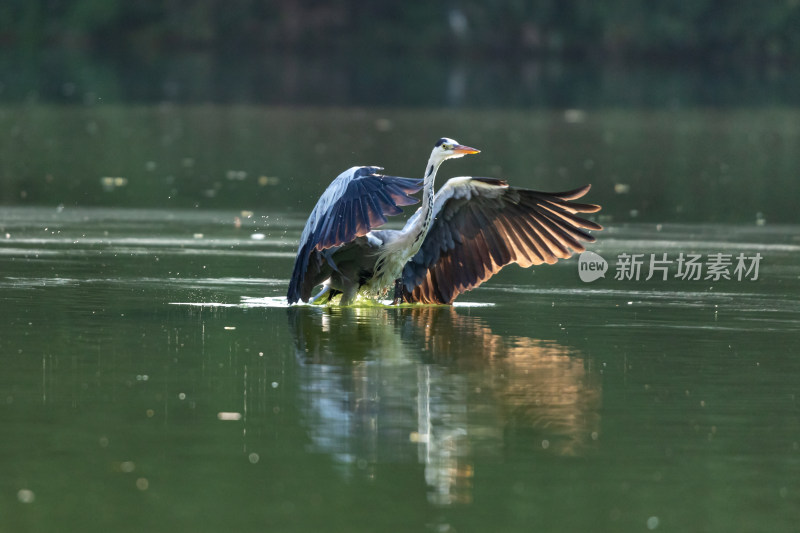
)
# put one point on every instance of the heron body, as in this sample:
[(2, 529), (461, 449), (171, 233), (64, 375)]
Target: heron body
[(456, 240)]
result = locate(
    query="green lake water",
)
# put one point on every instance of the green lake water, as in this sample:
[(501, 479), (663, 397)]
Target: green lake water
[(153, 378)]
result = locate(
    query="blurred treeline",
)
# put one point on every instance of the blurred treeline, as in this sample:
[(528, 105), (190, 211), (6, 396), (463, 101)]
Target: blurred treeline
[(615, 29)]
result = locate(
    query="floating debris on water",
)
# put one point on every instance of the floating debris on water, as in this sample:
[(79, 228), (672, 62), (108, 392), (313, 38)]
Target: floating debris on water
[(229, 416), (384, 124), (268, 180), (236, 175), (574, 116), (109, 183)]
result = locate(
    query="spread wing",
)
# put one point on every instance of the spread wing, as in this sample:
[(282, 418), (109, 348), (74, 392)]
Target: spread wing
[(481, 224), (358, 200)]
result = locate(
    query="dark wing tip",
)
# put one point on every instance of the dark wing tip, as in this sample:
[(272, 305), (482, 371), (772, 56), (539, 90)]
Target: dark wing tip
[(585, 208), (574, 194), (594, 226)]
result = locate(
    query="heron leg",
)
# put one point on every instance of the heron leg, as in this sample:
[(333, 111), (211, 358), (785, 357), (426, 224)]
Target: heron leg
[(349, 291), (349, 295), (398, 292), (325, 289)]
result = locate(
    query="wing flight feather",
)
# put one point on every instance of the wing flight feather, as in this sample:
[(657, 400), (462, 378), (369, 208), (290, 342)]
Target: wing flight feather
[(357, 201), (481, 224)]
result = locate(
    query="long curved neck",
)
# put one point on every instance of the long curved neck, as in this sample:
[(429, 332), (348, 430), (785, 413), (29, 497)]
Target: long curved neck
[(422, 221)]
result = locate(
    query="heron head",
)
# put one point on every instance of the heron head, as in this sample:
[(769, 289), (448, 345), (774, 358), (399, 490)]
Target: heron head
[(446, 148)]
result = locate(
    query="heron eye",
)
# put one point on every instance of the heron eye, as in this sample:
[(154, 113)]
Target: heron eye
[(447, 146)]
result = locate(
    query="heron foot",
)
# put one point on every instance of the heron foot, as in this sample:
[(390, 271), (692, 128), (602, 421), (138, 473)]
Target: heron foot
[(323, 292)]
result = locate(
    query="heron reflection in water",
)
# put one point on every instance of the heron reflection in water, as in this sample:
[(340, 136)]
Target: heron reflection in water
[(446, 400), (459, 237)]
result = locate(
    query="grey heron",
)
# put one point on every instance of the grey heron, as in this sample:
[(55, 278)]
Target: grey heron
[(455, 241)]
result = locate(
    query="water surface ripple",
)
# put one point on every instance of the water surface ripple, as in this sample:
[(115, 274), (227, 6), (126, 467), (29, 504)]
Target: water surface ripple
[(152, 371)]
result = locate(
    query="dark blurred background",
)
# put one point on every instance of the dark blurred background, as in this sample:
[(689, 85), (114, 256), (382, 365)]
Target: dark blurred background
[(673, 110), (541, 53)]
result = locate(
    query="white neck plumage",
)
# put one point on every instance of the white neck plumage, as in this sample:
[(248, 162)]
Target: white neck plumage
[(397, 251), (423, 218)]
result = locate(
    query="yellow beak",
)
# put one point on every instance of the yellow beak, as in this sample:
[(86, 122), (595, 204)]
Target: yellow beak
[(461, 149)]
